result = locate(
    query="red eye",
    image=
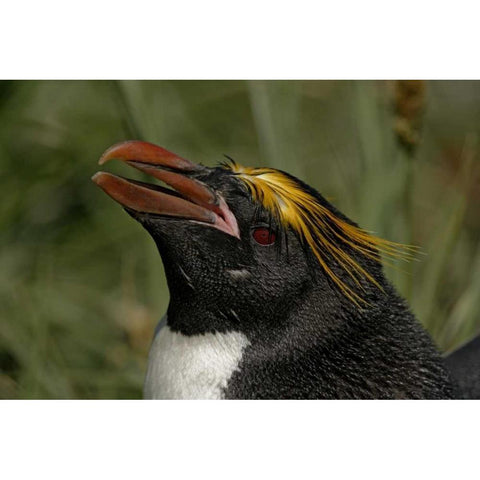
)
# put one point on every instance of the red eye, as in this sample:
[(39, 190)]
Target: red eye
[(263, 236)]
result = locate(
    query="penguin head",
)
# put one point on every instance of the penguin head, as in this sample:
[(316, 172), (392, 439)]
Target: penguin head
[(242, 245)]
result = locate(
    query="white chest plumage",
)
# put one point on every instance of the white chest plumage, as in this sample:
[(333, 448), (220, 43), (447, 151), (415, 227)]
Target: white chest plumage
[(192, 367)]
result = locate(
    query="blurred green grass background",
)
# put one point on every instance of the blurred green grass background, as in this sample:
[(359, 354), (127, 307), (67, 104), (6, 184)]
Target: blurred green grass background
[(82, 285)]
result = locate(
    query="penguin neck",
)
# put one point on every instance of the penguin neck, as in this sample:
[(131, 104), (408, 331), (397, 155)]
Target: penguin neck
[(194, 317), (309, 310), (313, 316)]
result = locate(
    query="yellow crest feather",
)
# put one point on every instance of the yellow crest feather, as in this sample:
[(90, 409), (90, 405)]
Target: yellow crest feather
[(316, 226)]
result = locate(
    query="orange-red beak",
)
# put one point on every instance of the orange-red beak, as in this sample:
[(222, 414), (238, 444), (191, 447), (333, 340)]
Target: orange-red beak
[(191, 200)]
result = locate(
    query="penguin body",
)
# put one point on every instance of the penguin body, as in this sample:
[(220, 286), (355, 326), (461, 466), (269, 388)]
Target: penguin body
[(274, 293), (385, 355)]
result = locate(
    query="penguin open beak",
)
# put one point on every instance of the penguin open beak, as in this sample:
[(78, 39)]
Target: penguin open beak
[(190, 199)]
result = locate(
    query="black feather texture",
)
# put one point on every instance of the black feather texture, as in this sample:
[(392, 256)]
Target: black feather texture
[(307, 339)]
